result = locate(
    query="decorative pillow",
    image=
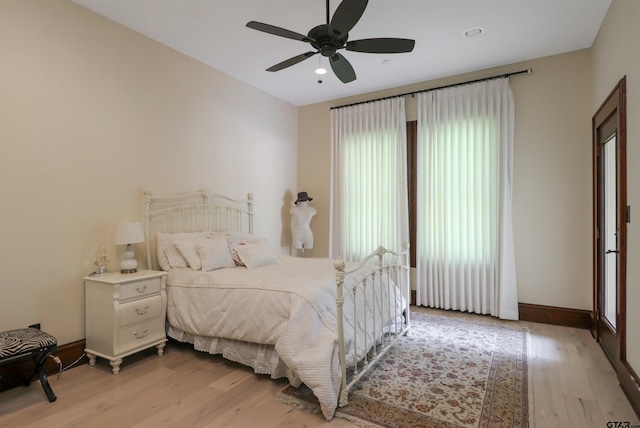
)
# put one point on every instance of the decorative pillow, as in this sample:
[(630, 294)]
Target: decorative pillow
[(256, 255), (161, 243), (214, 253), (174, 258), (188, 250), (234, 242), (166, 251)]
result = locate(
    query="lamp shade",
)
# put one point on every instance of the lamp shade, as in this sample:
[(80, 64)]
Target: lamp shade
[(128, 233)]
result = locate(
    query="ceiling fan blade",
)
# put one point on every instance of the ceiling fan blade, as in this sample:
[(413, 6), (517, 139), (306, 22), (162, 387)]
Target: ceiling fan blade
[(347, 15), (277, 31), (342, 68), (291, 61), (381, 45)]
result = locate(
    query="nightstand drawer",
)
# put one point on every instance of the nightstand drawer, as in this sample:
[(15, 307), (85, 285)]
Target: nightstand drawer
[(139, 334), (145, 287), (140, 310)]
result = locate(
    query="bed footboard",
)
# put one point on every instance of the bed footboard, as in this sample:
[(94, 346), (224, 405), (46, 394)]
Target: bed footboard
[(380, 299)]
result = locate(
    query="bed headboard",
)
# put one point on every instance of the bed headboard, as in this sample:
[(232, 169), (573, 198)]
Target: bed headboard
[(199, 211)]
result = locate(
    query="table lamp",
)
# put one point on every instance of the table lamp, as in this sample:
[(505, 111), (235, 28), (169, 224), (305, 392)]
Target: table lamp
[(127, 234)]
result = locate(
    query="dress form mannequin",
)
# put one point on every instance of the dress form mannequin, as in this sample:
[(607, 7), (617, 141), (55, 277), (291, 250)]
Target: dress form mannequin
[(301, 215)]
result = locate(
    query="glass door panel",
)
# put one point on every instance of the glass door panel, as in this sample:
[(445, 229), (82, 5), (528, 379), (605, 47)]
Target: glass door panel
[(610, 231)]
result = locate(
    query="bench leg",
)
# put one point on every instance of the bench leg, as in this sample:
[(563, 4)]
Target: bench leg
[(39, 359)]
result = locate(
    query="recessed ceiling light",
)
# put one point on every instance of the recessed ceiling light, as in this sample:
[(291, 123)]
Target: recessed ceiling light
[(473, 32)]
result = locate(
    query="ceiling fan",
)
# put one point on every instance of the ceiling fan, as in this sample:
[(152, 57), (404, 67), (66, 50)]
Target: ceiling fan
[(328, 38)]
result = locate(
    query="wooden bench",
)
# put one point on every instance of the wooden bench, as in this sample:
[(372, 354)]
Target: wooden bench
[(29, 342)]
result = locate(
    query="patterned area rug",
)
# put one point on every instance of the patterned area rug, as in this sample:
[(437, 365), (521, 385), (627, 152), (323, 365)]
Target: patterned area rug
[(449, 372)]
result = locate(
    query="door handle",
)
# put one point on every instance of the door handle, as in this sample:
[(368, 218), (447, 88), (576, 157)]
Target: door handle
[(611, 251)]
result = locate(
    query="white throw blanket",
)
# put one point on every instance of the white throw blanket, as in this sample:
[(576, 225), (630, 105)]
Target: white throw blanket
[(290, 305)]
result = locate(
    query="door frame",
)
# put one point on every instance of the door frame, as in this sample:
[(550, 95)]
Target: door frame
[(614, 104)]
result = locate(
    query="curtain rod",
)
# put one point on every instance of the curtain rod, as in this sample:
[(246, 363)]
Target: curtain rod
[(527, 71)]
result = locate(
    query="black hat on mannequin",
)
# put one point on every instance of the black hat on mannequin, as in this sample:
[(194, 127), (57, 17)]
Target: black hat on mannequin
[(302, 196)]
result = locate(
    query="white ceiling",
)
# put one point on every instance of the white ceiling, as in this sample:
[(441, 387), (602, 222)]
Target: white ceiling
[(214, 32)]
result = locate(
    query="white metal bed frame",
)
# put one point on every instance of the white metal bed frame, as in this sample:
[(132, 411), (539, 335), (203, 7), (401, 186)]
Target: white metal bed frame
[(392, 266), (203, 211)]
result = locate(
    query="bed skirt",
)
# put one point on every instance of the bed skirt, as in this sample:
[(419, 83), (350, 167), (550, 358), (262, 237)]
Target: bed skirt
[(263, 359)]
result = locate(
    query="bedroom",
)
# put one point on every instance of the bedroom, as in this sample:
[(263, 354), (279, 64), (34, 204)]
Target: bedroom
[(91, 112)]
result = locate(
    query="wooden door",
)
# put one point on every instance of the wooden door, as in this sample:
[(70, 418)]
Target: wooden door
[(610, 220)]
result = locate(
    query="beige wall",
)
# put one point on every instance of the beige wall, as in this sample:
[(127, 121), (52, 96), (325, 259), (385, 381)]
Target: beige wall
[(616, 54), (91, 112), (552, 174)]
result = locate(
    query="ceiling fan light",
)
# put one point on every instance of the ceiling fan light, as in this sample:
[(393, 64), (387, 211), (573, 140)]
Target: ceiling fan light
[(320, 71)]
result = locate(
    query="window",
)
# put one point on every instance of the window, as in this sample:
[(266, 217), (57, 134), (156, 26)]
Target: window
[(458, 189), (369, 196)]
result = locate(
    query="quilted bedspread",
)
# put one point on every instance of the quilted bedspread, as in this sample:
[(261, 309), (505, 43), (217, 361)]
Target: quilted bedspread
[(290, 305)]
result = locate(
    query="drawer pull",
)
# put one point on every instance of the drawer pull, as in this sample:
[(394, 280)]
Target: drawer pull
[(142, 311), (140, 335), (142, 288)]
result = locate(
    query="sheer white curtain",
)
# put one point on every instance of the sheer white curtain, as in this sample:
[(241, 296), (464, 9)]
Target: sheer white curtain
[(465, 254), (369, 179)]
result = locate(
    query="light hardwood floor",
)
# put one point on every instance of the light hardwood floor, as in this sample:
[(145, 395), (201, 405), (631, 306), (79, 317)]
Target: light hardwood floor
[(188, 388)]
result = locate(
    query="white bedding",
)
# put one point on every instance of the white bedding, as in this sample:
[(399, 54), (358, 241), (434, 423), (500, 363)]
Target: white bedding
[(290, 305)]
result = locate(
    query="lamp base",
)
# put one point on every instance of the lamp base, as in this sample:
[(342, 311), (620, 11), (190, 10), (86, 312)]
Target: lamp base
[(128, 264)]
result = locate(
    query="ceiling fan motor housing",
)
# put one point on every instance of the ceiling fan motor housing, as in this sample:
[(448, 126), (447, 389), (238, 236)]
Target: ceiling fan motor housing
[(324, 42)]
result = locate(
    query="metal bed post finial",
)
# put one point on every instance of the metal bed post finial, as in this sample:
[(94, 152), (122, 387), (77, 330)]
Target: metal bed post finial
[(250, 208), (406, 261), (206, 194), (147, 200), (339, 265), (147, 204)]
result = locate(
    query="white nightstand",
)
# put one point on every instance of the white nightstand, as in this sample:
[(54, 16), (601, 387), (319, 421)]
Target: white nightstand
[(125, 313)]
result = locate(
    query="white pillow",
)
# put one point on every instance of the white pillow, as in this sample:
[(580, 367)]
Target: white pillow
[(161, 253), (256, 255), (214, 253), (166, 251), (174, 258), (233, 242), (187, 249)]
